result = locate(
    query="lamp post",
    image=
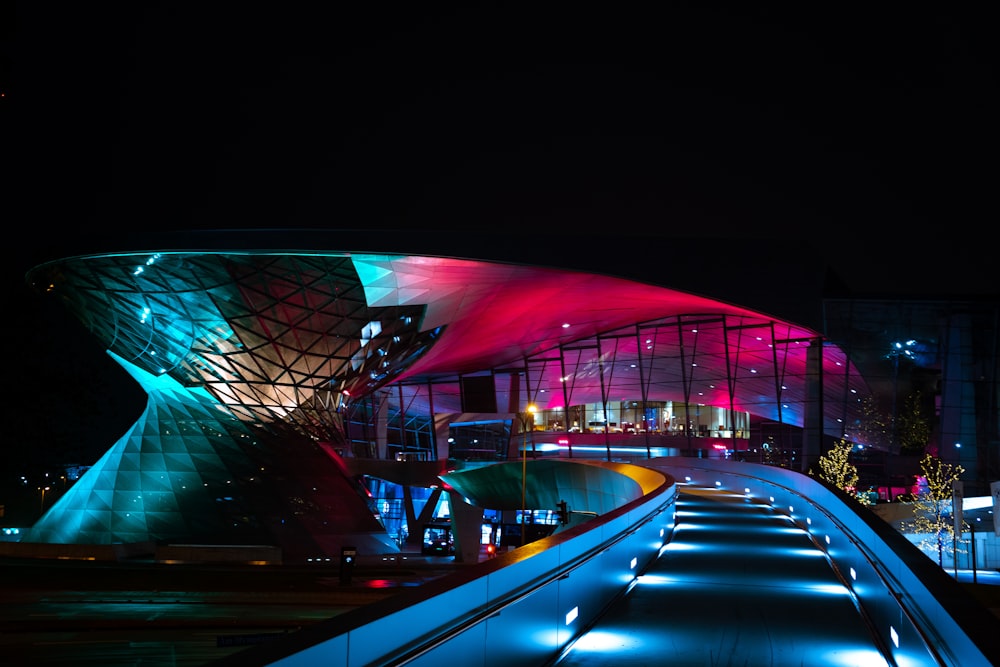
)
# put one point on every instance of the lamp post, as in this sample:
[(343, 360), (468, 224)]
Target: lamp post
[(528, 416), (41, 506)]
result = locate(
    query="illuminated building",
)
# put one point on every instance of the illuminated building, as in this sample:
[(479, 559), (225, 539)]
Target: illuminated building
[(277, 378)]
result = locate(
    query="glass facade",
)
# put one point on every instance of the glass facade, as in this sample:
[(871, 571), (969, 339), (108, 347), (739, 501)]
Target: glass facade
[(326, 358)]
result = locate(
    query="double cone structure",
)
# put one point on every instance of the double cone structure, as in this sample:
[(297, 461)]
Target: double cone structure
[(249, 357)]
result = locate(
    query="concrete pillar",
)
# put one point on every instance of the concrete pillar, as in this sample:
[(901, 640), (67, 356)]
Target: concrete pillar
[(466, 525), (381, 425), (812, 419)]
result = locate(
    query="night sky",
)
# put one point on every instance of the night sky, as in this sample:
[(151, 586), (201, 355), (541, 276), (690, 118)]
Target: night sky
[(744, 146)]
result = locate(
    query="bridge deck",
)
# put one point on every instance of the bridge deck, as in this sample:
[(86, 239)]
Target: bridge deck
[(737, 585)]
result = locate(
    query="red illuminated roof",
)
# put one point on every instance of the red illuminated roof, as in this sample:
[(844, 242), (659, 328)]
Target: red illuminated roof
[(270, 331)]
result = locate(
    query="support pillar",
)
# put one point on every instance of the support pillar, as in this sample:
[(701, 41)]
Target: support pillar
[(812, 419), (381, 426), (466, 525)]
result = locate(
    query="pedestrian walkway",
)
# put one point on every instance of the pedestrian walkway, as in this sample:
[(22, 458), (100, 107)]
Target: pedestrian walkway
[(989, 577), (737, 585)]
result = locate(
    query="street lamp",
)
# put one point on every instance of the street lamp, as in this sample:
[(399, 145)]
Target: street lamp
[(527, 417), (41, 507)]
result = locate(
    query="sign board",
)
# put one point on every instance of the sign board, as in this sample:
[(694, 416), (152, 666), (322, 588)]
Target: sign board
[(957, 498), (995, 492)]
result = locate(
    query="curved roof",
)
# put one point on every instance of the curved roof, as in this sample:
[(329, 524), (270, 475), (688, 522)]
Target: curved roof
[(282, 334), (498, 314)]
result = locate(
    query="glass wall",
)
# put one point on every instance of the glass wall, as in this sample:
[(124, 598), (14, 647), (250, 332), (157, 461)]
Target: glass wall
[(637, 417), (684, 378)]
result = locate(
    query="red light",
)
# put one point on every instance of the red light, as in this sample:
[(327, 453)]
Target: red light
[(563, 441)]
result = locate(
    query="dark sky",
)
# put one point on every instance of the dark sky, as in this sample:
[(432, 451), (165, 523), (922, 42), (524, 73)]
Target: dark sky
[(857, 132), (750, 145)]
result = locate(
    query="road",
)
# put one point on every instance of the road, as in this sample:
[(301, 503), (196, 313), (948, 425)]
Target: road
[(116, 615)]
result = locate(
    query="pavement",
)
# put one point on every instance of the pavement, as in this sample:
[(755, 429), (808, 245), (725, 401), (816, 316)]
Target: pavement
[(989, 577), (736, 586)]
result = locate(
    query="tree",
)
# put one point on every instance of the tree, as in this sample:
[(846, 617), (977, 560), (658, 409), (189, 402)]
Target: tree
[(907, 432), (931, 507), (913, 426), (874, 427), (836, 468)]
